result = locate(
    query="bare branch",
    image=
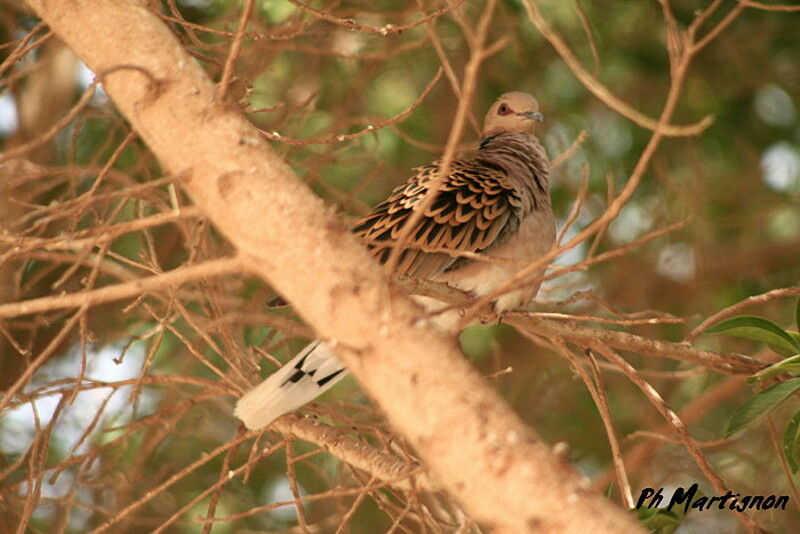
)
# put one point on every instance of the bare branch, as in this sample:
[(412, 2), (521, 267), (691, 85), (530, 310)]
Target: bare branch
[(236, 47), (121, 291), (462, 429), (601, 91), (730, 311), (371, 128), (387, 29), (673, 420)]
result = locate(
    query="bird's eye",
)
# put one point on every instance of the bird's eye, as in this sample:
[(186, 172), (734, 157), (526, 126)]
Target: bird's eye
[(504, 110)]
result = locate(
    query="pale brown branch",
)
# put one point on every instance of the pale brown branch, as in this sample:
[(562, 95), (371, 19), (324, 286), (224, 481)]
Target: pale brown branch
[(108, 165), (601, 91), (236, 48), (276, 136), (676, 441), (88, 384), (769, 7), (607, 320), (598, 394), (24, 46), (616, 453), (358, 452), (615, 252), (40, 360), (697, 408), (384, 30), (323, 495), (673, 420), (224, 475), (615, 206), (469, 85), (729, 364), (53, 130), (587, 29), (466, 435), (430, 28), (677, 375), (64, 208), (577, 206), (730, 311), (703, 16), (204, 459), (121, 291), (675, 38), (779, 452), (719, 28), (430, 147), (104, 264), (570, 151), (389, 468), (76, 241)]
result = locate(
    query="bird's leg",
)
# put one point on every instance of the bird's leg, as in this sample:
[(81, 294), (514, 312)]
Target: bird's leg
[(490, 315)]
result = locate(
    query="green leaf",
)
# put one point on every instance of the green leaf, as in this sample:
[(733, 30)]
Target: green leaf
[(791, 443), (795, 336), (788, 366), (659, 520), (782, 351), (759, 329), (760, 404), (797, 315)]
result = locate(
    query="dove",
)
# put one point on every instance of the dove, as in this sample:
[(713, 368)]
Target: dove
[(490, 217)]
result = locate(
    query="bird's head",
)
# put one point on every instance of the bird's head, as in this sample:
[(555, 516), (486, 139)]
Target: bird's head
[(512, 112)]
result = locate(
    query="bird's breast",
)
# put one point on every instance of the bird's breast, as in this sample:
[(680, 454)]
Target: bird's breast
[(531, 241)]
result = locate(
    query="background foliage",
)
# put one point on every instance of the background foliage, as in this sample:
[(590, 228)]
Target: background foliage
[(131, 394)]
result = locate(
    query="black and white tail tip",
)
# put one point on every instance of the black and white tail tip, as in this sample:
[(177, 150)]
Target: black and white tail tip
[(313, 371)]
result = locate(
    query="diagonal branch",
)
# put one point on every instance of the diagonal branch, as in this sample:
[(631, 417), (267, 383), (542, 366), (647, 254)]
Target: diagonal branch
[(601, 91), (475, 446)]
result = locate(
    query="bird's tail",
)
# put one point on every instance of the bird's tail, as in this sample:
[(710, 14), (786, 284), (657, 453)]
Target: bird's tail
[(313, 371)]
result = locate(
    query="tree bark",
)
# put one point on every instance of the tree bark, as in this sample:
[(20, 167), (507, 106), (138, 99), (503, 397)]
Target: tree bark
[(503, 474)]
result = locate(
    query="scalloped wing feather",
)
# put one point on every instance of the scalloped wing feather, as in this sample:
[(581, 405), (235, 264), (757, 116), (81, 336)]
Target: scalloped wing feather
[(476, 207)]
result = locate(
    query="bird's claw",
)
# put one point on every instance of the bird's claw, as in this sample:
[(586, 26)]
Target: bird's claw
[(491, 316)]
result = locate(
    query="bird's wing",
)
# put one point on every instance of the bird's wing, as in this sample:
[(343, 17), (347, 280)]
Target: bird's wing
[(476, 208)]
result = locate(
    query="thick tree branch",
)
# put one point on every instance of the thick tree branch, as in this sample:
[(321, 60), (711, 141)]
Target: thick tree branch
[(504, 475)]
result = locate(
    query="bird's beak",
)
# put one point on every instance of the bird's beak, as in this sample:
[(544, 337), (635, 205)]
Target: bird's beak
[(533, 115)]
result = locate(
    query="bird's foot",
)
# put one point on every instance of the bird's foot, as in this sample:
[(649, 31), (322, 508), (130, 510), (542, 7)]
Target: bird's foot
[(490, 315)]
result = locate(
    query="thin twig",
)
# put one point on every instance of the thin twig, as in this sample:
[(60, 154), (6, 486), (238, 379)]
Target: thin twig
[(739, 306), (570, 151), (430, 27), (614, 207), (371, 128), (601, 91), (731, 364), (672, 418), (121, 291), (233, 53), (598, 394), (779, 452), (769, 7), (384, 30), (456, 131)]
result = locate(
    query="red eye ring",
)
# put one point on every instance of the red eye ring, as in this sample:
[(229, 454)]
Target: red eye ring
[(504, 109)]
